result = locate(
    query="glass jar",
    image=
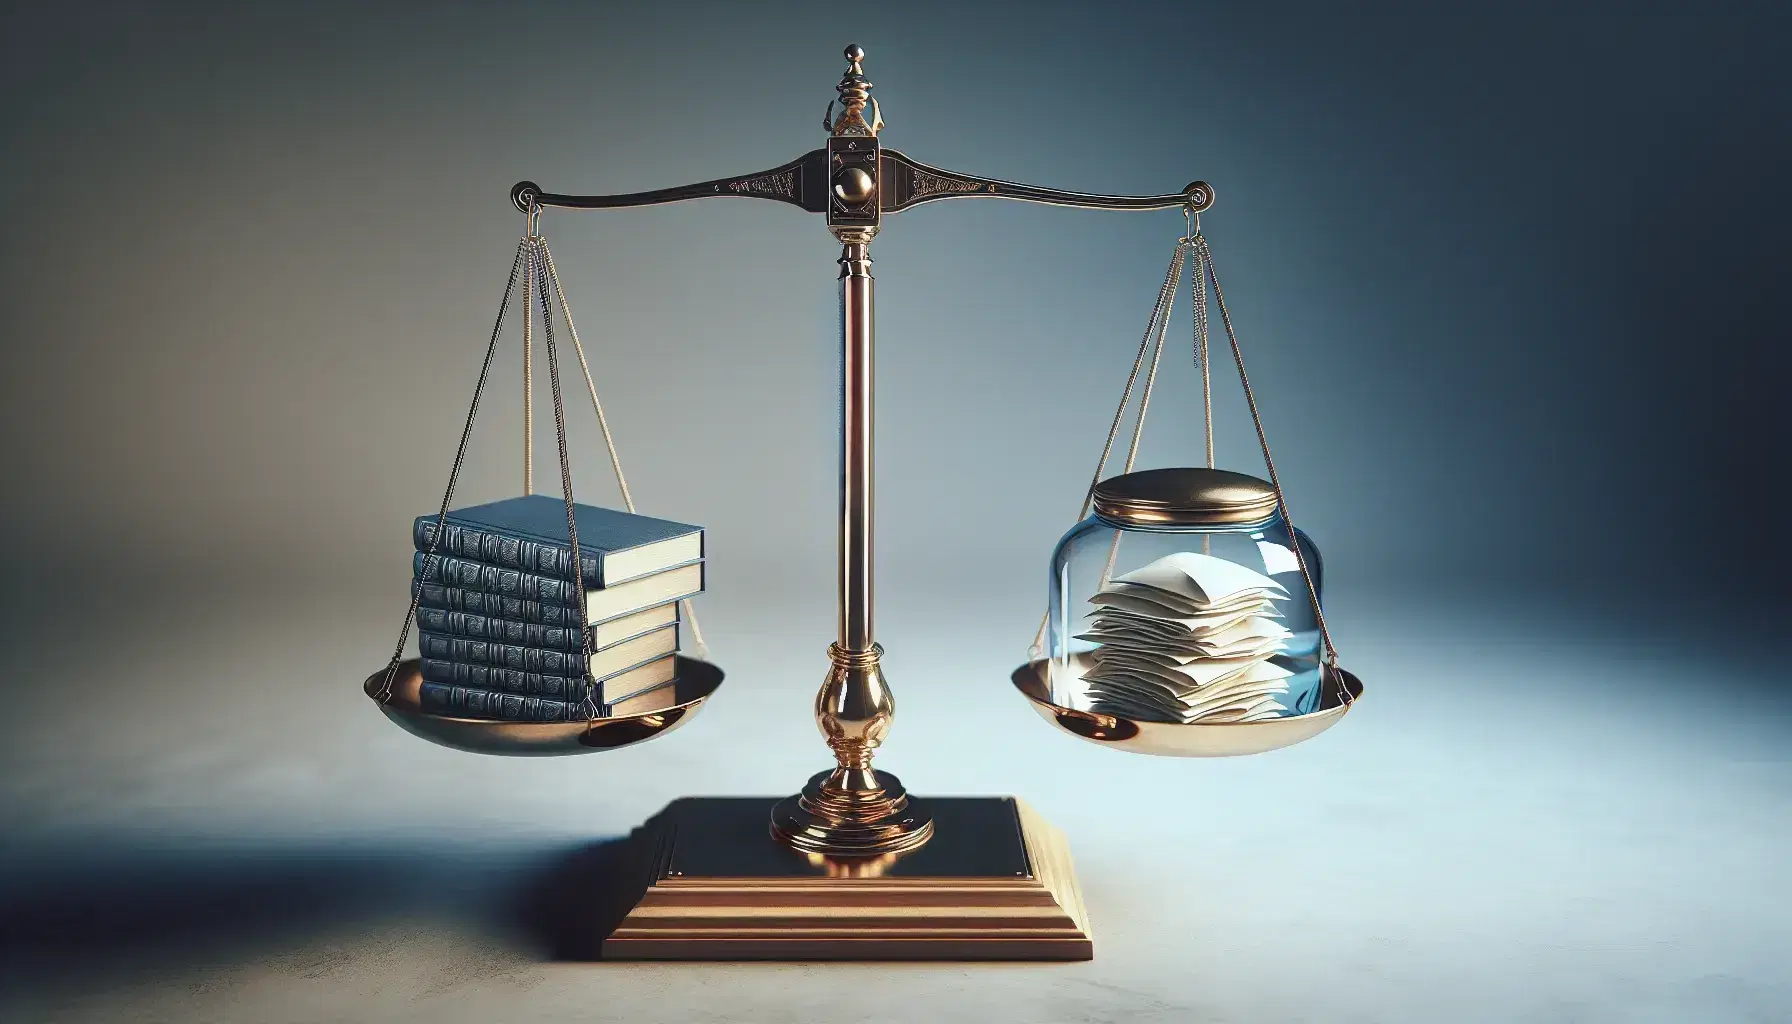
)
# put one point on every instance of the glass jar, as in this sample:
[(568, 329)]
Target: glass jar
[(1181, 599)]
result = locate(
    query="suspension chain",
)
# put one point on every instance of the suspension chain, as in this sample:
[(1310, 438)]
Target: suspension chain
[(1198, 312)]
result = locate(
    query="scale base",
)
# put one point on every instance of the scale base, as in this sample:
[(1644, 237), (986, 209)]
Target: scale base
[(995, 882)]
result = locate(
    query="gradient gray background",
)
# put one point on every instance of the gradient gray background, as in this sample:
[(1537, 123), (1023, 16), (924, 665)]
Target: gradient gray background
[(1504, 278)]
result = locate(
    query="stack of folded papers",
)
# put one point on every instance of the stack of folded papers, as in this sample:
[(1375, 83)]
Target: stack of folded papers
[(1188, 638)]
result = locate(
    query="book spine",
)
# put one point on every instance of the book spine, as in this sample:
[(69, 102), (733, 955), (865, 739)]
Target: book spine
[(472, 702), (473, 626), (543, 559), (506, 680), (533, 660), (493, 579), (496, 606)]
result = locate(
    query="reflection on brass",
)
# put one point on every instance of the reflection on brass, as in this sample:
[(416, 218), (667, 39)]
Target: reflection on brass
[(1173, 739), (997, 883), (696, 681), (854, 184), (853, 867), (852, 813), (1098, 727), (1184, 497), (853, 810)]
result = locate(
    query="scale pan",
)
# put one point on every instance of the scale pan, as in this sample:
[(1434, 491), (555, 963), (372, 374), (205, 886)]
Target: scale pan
[(1173, 739), (696, 681)]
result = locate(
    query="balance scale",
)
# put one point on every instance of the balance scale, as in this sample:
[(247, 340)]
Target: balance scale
[(852, 867)]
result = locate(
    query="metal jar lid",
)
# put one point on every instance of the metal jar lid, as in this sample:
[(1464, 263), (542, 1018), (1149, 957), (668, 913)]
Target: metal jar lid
[(1184, 497)]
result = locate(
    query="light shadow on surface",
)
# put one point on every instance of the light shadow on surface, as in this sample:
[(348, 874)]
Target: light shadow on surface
[(65, 908), (573, 901)]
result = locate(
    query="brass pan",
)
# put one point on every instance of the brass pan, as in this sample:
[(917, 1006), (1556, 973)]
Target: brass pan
[(1174, 739), (696, 681)]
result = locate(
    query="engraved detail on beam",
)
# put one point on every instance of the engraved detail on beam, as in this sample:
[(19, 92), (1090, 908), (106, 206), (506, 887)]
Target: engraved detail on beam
[(769, 184), (933, 184)]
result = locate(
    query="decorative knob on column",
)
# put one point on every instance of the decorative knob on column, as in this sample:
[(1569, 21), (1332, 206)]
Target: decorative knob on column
[(853, 810)]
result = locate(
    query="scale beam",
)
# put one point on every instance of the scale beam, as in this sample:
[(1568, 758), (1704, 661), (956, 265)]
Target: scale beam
[(903, 183), (907, 183), (801, 182)]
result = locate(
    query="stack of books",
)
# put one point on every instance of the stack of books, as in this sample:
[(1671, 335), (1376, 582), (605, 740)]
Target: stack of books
[(498, 610), (1188, 638)]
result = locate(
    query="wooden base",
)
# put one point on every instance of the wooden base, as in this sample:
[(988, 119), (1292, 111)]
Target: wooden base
[(994, 883)]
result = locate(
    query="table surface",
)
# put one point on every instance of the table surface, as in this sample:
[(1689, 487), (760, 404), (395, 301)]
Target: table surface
[(1535, 829)]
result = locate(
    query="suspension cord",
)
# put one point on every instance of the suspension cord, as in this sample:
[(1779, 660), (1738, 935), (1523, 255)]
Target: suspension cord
[(1138, 429), (1157, 354), (1138, 363), (529, 357), (460, 458), (1250, 398), (572, 524), (1164, 292), (603, 424)]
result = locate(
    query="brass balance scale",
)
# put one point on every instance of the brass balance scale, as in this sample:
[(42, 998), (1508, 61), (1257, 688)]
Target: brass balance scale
[(852, 867)]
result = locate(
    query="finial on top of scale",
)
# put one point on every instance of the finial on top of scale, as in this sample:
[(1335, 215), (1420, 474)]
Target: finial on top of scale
[(855, 94)]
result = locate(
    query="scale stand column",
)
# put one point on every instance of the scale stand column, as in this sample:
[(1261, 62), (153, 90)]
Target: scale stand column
[(851, 868), (854, 810)]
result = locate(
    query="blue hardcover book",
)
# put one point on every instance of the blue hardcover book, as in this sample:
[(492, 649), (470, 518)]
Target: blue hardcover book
[(504, 631), (470, 702), (510, 620), (603, 663), (601, 604), (504, 680), (478, 602), (535, 684), (529, 534), (485, 652), (493, 579)]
